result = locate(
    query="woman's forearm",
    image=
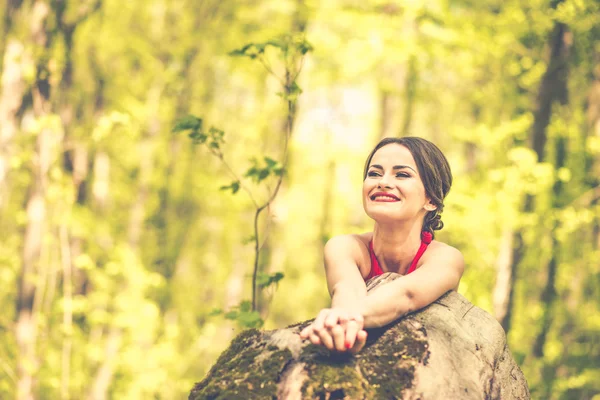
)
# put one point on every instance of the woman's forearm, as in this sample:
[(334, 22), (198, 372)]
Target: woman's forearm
[(385, 305), (348, 294)]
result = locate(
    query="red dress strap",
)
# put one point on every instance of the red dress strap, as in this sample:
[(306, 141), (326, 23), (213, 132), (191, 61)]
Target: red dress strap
[(426, 238), (375, 268)]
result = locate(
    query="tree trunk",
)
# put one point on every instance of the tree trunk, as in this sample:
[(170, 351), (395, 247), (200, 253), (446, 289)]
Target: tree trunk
[(504, 277), (593, 117), (449, 350), (553, 88), (13, 89), (548, 297), (410, 93), (28, 296)]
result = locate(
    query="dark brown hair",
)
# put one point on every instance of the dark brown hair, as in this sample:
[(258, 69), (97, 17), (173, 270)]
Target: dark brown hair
[(434, 171)]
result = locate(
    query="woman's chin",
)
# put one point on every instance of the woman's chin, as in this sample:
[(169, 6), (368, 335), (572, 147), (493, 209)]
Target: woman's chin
[(382, 216)]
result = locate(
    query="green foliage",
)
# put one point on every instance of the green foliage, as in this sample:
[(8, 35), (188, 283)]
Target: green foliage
[(242, 314), (154, 246), (265, 280), (259, 173), (213, 139), (286, 44), (234, 187)]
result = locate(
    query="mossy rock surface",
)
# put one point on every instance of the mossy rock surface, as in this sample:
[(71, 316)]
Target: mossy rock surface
[(448, 350)]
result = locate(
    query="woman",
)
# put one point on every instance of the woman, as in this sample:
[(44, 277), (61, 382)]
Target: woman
[(405, 183)]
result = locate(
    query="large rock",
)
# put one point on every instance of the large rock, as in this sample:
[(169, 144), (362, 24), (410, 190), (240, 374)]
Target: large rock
[(449, 350)]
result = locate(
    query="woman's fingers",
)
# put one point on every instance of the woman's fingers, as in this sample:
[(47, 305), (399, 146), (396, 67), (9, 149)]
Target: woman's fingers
[(315, 339), (361, 339), (326, 338), (305, 333), (319, 322), (352, 329), (334, 317), (339, 338), (337, 330)]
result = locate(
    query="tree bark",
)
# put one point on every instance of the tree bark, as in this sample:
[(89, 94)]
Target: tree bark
[(449, 350), (553, 88), (504, 277), (548, 297), (593, 118), (29, 282), (410, 94), (11, 97)]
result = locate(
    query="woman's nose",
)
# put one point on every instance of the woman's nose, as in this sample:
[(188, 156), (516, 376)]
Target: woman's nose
[(384, 181)]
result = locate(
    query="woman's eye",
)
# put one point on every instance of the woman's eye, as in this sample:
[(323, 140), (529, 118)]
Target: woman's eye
[(402, 175), (373, 173)]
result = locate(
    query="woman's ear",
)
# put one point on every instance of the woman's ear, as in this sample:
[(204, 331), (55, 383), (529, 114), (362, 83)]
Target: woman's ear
[(429, 206)]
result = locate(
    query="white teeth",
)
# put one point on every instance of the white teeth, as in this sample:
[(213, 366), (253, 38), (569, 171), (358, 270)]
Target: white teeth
[(385, 197)]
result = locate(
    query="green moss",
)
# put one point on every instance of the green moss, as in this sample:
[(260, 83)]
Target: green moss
[(246, 370), (332, 376), (385, 368), (389, 363)]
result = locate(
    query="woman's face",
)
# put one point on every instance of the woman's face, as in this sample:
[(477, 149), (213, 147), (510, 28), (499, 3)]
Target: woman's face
[(393, 190)]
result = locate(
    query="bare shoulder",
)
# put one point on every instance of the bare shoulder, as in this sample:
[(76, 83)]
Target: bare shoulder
[(442, 253), (351, 247)]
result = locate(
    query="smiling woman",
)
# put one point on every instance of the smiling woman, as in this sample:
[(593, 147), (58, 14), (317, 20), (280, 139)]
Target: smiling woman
[(405, 182)]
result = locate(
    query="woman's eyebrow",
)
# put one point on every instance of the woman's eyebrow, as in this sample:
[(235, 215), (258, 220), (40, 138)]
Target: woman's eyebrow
[(395, 167), (403, 166)]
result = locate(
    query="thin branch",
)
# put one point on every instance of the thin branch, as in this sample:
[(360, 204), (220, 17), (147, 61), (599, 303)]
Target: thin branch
[(239, 180), (290, 118), (270, 70), (256, 254)]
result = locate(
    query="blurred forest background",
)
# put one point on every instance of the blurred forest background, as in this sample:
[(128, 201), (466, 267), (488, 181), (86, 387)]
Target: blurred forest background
[(117, 244)]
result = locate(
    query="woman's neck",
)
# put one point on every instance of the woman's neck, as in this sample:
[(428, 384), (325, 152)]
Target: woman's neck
[(395, 245)]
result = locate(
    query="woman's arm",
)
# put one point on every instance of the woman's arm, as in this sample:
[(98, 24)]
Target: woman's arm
[(342, 256), (440, 273), (340, 327)]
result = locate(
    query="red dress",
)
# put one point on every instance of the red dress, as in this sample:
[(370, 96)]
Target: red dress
[(376, 270)]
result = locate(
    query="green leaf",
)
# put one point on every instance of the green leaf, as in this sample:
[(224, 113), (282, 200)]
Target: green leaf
[(232, 315), (304, 47), (240, 52), (188, 122), (249, 239), (270, 162), (250, 319), (252, 172), (265, 280), (251, 50), (198, 137), (262, 175), (277, 276), (234, 187), (215, 311), (245, 306), (292, 92), (216, 134)]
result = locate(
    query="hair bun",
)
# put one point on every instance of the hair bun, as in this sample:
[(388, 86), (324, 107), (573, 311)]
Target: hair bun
[(433, 222)]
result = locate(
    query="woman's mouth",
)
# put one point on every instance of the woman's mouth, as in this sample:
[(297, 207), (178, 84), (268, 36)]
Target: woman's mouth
[(384, 197)]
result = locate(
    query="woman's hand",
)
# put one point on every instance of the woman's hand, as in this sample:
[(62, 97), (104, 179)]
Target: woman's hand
[(338, 330)]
